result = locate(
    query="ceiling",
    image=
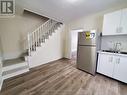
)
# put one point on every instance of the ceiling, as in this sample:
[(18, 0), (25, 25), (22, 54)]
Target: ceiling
[(68, 10)]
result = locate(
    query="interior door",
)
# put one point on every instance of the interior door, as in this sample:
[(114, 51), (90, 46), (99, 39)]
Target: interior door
[(86, 59), (105, 64), (123, 27), (111, 23), (120, 71)]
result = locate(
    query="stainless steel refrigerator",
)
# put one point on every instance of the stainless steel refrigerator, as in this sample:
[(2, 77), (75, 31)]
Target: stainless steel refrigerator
[(87, 51)]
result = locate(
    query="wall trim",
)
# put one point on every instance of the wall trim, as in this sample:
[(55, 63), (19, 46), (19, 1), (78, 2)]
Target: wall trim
[(52, 61), (42, 63)]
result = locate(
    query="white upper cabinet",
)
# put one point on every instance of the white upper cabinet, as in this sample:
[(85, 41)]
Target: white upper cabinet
[(111, 23), (115, 23), (123, 25)]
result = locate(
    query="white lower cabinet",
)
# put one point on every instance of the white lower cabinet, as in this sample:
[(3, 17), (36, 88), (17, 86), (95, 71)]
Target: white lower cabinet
[(105, 65), (120, 70), (114, 66)]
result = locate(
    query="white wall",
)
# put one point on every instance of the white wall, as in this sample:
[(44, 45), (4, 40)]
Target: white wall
[(1, 81), (0, 65), (51, 50), (74, 41), (1, 51), (93, 21), (14, 29)]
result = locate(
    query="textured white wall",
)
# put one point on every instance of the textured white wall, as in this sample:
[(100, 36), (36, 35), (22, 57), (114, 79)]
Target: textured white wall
[(1, 78), (14, 29), (1, 49), (74, 41), (51, 50), (1, 81)]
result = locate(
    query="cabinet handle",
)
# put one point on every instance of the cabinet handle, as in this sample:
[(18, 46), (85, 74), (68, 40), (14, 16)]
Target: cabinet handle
[(119, 30), (110, 59), (118, 61)]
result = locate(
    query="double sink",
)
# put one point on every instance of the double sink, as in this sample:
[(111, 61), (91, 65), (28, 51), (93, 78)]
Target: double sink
[(110, 51)]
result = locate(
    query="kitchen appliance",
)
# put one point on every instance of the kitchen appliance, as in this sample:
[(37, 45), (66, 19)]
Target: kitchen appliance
[(87, 51)]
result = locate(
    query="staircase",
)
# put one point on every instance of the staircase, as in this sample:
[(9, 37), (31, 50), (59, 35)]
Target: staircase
[(36, 38), (14, 67), (31, 43)]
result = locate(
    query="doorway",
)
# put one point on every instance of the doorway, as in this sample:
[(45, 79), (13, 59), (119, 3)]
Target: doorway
[(74, 43)]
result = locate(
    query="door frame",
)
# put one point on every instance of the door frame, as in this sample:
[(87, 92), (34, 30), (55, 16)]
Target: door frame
[(70, 41)]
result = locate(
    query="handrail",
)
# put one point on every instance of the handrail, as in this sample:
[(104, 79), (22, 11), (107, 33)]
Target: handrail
[(30, 33), (34, 38), (42, 25), (35, 29)]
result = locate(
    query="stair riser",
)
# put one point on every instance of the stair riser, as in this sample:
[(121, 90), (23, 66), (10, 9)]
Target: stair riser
[(11, 67), (14, 70), (15, 74)]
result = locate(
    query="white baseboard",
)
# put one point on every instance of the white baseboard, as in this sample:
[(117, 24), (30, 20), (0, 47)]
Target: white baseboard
[(41, 63)]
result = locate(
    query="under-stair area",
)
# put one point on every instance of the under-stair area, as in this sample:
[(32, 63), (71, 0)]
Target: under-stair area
[(31, 43), (14, 67)]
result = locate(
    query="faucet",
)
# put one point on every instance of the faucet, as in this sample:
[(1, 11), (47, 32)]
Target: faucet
[(117, 46)]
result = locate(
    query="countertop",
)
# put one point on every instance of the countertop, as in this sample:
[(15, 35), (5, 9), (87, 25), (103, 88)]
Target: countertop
[(111, 53)]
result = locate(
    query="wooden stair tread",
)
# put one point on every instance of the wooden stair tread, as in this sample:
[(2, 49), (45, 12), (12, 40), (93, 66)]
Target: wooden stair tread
[(12, 62)]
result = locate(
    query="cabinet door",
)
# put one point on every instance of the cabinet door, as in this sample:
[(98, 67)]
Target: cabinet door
[(111, 23), (105, 64), (120, 71), (123, 26)]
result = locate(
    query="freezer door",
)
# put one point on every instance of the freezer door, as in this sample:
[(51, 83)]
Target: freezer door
[(86, 59), (84, 40)]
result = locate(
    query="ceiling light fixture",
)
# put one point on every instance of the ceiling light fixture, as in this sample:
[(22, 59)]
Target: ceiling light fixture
[(72, 1)]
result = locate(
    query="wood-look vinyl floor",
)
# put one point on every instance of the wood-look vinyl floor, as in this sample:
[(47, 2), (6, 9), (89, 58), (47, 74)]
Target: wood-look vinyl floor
[(61, 78)]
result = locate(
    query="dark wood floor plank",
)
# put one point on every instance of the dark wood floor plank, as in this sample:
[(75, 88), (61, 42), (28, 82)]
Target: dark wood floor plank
[(61, 78), (32, 82), (29, 76), (52, 80)]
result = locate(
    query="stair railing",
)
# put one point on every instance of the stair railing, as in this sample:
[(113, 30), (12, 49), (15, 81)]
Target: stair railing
[(35, 38)]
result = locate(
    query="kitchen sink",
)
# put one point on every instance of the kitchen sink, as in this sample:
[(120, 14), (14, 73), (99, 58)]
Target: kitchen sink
[(123, 52), (114, 51)]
